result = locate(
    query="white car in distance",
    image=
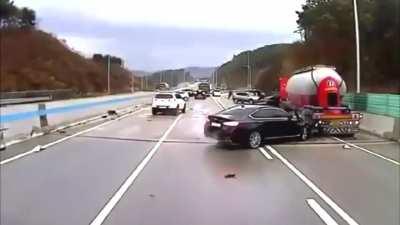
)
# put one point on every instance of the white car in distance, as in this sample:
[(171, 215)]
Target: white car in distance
[(168, 102), (216, 93), (184, 94)]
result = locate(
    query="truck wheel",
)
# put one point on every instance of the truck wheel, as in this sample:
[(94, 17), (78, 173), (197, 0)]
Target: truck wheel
[(176, 111), (251, 102), (154, 111)]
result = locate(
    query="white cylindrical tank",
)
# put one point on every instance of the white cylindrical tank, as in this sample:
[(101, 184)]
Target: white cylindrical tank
[(306, 83)]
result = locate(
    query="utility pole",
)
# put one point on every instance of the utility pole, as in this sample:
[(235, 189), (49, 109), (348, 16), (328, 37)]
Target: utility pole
[(357, 43), (249, 70), (108, 74), (133, 82), (216, 77)]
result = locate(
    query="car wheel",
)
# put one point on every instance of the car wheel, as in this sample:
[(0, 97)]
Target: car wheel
[(184, 109), (304, 133), (255, 139), (153, 111), (176, 111), (251, 102)]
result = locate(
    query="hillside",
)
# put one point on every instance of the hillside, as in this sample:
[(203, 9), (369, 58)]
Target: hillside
[(34, 60), (200, 72), (327, 31)]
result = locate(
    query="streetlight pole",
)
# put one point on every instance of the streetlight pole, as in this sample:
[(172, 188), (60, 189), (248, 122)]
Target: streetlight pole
[(108, 74), (133, 83), (249, 70), (356, 27), (216, 77)]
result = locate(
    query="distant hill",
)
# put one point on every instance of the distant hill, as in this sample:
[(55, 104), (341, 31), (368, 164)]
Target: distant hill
[(141, 73), (34, 60), (200, 72)]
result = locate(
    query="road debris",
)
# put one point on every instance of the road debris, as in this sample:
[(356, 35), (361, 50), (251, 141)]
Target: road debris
[(230, 175), (346, 146)]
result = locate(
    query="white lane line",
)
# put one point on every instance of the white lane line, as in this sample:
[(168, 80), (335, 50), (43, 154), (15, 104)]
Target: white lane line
[(219, 103), (128, 182), (368, 151), (313, 187), (63, 139), (35, 149), (328, 220), (265, 153)]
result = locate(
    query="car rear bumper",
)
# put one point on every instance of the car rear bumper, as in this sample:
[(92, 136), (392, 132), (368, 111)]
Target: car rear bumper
[(223, 133)]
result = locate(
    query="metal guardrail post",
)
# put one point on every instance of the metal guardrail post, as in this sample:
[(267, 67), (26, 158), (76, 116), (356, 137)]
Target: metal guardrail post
[(2, 143), (43, 115)]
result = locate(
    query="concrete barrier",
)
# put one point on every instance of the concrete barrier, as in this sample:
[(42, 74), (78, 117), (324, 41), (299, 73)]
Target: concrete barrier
[(384, 126)]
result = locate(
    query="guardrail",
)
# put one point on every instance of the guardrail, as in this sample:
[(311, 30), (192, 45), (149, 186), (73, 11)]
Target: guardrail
[(381, 104), (53, 94), (62, 109)]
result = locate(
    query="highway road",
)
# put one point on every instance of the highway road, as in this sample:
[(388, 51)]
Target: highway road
[(148, 170)]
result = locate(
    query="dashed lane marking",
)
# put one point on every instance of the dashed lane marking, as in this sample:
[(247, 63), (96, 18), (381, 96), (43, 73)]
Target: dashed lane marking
[(315, 188), (328, 220), (106, 210)]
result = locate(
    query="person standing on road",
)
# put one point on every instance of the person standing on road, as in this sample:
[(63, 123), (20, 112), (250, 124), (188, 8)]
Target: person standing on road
[(230, 94)]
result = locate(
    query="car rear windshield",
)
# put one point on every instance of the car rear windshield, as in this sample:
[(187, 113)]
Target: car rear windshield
[(242, 94), (164, 96), (238, 112)]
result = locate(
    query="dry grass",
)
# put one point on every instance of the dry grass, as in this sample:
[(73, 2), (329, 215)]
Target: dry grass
[(34, 60)]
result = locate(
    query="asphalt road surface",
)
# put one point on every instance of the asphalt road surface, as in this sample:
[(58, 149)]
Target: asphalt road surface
[(149, 170)]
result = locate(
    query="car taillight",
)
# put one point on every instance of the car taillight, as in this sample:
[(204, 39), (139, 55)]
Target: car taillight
[(231, 123)]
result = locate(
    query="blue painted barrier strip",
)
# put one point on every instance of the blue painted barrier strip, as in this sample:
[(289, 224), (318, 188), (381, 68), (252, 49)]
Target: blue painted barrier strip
[(62, 109)]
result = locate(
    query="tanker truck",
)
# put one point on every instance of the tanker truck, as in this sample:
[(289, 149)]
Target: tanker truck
[(316, 93)]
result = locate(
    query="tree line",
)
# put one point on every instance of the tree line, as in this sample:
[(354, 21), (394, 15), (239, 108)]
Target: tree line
[(12, 16), (327, 32)]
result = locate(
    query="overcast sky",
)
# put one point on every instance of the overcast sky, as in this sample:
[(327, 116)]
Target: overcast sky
[(160, 34)]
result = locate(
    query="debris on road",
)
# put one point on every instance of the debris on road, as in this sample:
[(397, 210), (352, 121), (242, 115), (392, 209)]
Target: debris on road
[(61, 131), (112, 112), (151, 196), (230, 175), (346, 146)]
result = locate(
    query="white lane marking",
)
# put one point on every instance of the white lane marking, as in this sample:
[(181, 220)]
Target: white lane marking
[(328, 220), (313, 187), (35, 149), (128, 182), (219, 103), (265, 153), (63, 139), (367, 151)]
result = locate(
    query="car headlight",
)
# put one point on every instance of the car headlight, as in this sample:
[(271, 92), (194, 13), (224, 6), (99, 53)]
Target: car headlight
[(231, 123)]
